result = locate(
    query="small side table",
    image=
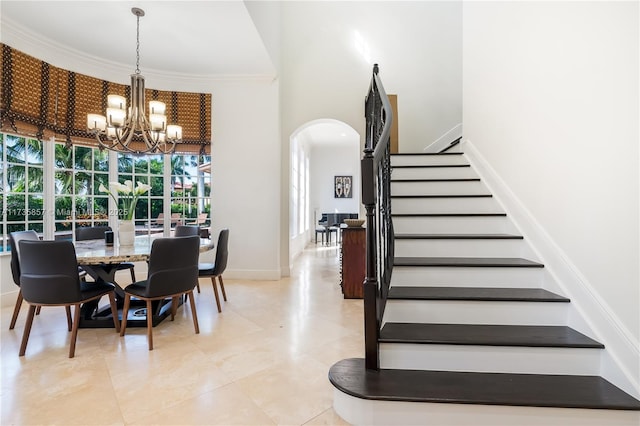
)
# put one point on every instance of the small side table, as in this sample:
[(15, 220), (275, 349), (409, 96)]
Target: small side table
[(352, 262)]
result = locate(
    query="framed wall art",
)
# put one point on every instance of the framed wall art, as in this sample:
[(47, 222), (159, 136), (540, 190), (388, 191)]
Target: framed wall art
[(342, 186)]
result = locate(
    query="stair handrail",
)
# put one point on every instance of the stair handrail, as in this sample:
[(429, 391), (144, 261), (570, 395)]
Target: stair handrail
[(376, 198)]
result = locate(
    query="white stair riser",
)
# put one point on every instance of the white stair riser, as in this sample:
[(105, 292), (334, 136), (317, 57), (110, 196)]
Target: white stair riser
[(496, 359), (476, 312), (360, 411), (454, 225), (433, 173), (467, 276), (438, 188), (427, 160), (445, 205), (462, 248)]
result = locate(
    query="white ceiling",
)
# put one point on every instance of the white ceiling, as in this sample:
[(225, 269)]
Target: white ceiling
[(214, 38)]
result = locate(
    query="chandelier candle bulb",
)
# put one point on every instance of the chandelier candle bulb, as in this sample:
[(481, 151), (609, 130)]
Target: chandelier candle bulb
[(157, 122), (157, 107), (174, 132), (96, 122), (116, 101), (116, 117)]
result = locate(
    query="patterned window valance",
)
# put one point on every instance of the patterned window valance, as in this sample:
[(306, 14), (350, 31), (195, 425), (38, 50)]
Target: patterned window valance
[(41, 101)]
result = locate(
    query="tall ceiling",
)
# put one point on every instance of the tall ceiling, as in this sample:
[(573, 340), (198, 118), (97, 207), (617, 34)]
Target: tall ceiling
[(204, 38)]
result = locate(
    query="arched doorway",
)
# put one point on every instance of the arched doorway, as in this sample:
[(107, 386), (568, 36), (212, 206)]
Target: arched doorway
[(322, 152)]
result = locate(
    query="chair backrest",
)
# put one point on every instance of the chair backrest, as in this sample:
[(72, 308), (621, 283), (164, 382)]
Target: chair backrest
[(186, 231), (173, 266), (222, 252), (49, 272), (175, 217), (91, 232), (14, 241)]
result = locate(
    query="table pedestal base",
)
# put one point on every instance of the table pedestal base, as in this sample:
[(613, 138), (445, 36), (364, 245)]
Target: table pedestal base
[(93, 317)]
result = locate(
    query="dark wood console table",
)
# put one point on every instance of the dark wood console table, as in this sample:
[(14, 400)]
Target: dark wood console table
[(352, 262)]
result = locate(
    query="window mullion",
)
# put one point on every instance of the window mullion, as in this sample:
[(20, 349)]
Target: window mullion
[(49, 202)]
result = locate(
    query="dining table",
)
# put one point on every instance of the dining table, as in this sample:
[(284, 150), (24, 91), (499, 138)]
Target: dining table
[(100, 261)]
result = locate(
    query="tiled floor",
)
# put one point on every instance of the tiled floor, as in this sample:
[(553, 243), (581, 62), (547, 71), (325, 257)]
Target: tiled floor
[(262, 361)]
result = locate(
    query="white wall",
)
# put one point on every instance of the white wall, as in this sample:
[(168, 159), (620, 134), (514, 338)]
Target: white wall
[(327, 162), (551, 102), (329, 49), (245, 175)]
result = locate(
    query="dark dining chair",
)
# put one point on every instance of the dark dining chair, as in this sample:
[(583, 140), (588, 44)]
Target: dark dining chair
[(215, 270), (186, 231), (14, 240), (173, 273), (84, 233), (49, 277)]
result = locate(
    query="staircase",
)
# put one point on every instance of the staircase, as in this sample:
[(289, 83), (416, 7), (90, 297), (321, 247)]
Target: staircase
[(472, 332)]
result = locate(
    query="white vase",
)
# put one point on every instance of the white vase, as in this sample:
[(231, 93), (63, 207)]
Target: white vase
[(126, 232)]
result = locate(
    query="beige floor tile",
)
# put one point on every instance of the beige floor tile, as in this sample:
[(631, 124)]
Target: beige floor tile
[(328, 418), (291, 393), (264, 360), (227, 405)]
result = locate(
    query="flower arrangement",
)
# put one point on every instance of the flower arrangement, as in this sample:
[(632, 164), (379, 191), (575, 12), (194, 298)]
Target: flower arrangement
[(128, 194)]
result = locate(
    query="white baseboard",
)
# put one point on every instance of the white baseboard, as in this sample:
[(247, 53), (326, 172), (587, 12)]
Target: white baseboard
[(444, 140), (589, 313)]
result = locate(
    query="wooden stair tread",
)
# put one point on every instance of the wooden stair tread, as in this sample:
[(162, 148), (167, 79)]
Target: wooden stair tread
[(443, 196), (448, 215), (532, 390), (486, 335), (457, 237), (466, 262), (438, 180), (475, 294), (423, 154), (427, 166)]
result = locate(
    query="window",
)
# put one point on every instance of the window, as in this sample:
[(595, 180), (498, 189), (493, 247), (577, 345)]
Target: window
[(190, 188), (299, 208), (22, 188), (78, 173), (72, 187), (148, 169)]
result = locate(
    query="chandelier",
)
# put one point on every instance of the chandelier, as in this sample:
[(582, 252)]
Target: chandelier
[(129, 130)]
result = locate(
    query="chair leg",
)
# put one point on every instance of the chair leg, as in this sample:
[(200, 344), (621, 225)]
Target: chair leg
[(114, 311), (74, 331), (16, 310), (224, 294), (174, 307), (38, 309), (215, 292), (192, 302), (68, 310), (149, 325), (27, 330), (198, 286), (133, 275), (125, 313)]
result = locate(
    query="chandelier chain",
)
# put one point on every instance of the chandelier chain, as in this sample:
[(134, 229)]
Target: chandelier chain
[(137, 44)]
